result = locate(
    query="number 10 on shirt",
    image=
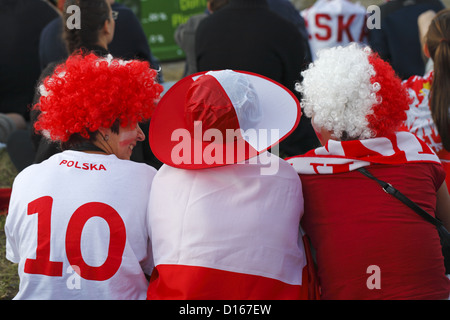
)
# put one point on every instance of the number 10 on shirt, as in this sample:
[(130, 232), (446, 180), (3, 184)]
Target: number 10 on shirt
[(42, 264)]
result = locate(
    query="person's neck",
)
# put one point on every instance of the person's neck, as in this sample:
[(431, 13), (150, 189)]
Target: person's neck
[(96, 152), (90, 147), (102, 146), (103, 43)]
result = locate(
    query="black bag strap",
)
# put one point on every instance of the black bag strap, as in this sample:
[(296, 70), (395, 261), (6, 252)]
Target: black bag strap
[(388, 188)]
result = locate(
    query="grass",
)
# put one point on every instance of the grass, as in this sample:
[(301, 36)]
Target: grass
[(9, 279), (7, 170)]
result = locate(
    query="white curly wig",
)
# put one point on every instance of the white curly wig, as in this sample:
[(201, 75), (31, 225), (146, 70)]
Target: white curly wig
[(341, 90)]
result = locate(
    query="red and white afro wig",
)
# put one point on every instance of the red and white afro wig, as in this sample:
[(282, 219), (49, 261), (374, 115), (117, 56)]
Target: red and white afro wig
[(352, 92), (88, 92)]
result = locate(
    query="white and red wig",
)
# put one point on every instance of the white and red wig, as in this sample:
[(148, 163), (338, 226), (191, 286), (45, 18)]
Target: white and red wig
[(88, 92), (353, 93)]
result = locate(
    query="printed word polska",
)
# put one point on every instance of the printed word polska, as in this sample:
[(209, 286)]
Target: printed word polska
[(83, 166)]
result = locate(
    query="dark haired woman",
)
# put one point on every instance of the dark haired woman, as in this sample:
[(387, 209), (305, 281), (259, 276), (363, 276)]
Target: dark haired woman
[(97, 24), (77, 221), (429, 113)]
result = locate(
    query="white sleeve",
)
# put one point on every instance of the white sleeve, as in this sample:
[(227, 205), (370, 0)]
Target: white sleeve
[(12, 252), (12, 224), (148, 264)]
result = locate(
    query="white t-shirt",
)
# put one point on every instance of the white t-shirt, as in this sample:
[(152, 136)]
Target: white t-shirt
[(77, 227), (333, 23)]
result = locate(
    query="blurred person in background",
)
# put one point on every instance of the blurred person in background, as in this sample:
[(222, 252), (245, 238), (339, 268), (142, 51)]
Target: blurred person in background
[(96, 32), (10, 122), (335, 23), (429, 112), (397, 41), (21, 22), (247, 35), (185, 34), (129, 42)]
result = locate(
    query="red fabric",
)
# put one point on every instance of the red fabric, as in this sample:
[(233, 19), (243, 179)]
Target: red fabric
[(352, 233), (344, 156), (5, 194), (206, 101), (446, 166), (181, 282), (193, 150), (170, 132)]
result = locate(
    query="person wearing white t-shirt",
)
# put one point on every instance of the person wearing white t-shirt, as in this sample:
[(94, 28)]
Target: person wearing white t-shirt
[(332, 23), (77, 224)]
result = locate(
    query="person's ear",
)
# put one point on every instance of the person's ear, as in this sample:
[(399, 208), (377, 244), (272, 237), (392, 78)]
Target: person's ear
[(107, 27), (104, 133), (426, 51)]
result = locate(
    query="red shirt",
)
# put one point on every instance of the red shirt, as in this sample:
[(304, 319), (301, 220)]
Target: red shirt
[(354, 225)]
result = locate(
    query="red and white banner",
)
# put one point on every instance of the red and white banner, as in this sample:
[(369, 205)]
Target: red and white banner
[(345, 156), (228, 233)]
